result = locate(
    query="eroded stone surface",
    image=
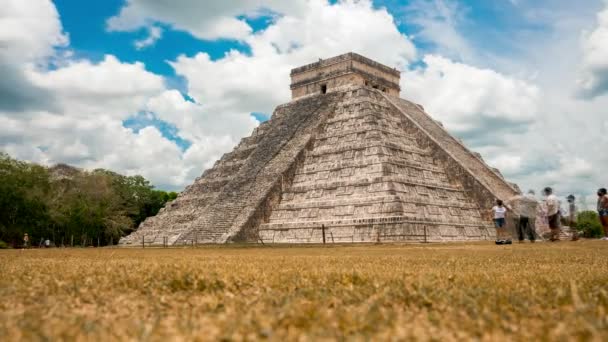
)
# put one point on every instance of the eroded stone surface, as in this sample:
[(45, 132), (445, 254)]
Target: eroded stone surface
[(355, 162)]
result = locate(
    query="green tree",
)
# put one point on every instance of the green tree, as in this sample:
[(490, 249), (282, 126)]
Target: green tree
[(63, 202), (588, 223), (24, 188)]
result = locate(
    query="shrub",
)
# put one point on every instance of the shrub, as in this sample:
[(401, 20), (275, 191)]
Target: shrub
[(589, 224), (4, 245)]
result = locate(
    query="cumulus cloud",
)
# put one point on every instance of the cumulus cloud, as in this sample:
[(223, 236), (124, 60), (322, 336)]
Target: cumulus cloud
[(29, 33), (203, 19), (593, 80), (154, 34), (75, 111), (535, 137), (110, 87), (92, 100), (438, 22), (85, 128), (480, 105), (29, 29), (257, 82)]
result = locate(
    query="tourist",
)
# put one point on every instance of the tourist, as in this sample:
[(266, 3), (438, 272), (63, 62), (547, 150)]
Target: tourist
[(602, 210), (523, 209), (26, 240), (499, 211), (552, 211), (572, 212)]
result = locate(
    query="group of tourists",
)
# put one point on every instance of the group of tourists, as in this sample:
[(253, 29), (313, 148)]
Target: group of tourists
[(26, 242), (533, 218)]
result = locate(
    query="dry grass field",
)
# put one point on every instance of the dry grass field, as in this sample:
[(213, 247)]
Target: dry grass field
[(441, 292)]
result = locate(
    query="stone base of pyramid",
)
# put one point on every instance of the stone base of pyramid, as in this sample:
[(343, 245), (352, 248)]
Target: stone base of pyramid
[(394, 229)]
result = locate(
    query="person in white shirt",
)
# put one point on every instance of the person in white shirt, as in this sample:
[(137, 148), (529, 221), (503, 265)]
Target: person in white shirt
[(499, 212), (552, 212)]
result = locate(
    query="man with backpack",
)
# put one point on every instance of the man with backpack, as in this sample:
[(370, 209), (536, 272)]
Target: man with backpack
[(523, 210)]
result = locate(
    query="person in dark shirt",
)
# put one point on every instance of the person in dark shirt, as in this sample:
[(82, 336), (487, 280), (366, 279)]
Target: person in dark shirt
[(572, 212), (602, 210)]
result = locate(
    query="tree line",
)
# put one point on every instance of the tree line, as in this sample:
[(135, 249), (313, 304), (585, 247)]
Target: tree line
[(72, 206)]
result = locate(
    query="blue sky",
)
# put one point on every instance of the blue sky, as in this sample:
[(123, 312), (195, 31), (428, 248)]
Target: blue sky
[(164, 88), (90, 38)]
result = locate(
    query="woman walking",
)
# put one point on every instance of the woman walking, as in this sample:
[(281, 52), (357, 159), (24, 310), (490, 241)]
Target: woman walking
[(499, 211)]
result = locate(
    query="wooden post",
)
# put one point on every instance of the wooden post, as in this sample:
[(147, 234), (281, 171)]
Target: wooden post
[(112, 241), (332, 237), (143, 241), (323, 232), (425, 241), (97, 240), (62, 245), (72, 243)]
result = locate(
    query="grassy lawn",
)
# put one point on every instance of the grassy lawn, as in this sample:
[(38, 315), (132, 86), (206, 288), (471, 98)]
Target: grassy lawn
[(417, 292)]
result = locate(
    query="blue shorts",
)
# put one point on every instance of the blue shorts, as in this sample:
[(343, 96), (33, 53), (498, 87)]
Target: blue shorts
[(499, 222)]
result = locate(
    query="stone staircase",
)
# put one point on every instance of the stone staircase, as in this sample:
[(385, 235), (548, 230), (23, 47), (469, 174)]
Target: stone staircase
[(235, 188)]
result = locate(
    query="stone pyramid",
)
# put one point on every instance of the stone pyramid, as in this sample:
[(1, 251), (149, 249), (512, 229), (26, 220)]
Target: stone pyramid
[(346, 160)]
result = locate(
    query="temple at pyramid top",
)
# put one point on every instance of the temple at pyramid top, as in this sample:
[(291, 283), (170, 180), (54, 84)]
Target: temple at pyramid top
[(330, 74), (346, 160)]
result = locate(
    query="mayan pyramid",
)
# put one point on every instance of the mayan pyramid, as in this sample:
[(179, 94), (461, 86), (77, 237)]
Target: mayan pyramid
[(346, 159)]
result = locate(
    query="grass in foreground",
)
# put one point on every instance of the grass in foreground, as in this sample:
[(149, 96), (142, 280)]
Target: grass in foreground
[(427, 292)]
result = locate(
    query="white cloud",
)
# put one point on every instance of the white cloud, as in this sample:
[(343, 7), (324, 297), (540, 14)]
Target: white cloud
[(29, 30), (550, 137), (439, 22), (109, 88), (593, 80), (258, 82), (154, 34), (29, 33), (474, 103), (74, 112), (203, 19), (81, 122), (507, 164), (198, 122)]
